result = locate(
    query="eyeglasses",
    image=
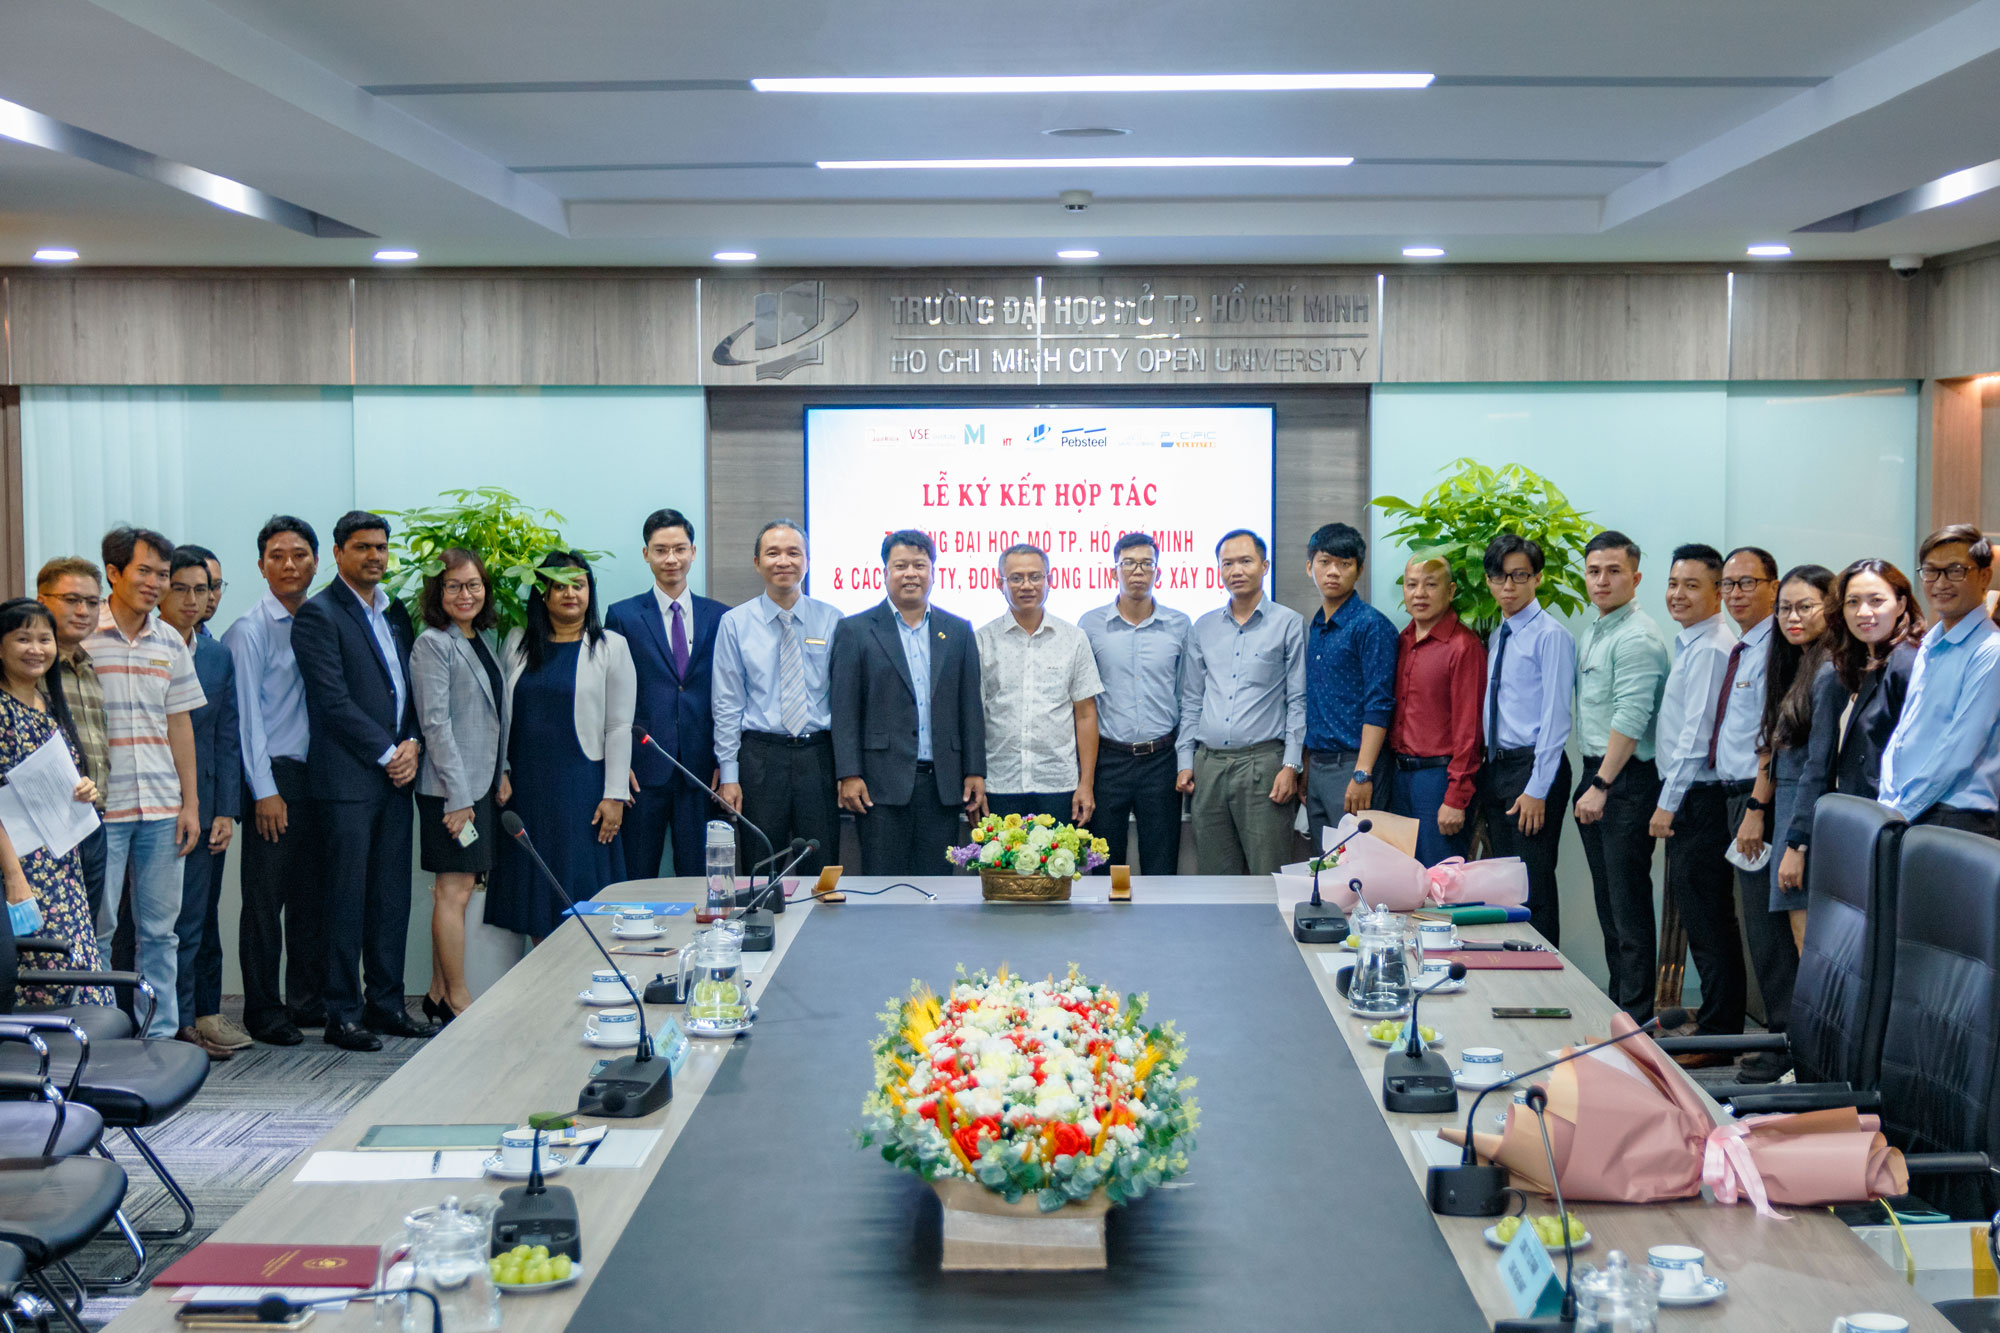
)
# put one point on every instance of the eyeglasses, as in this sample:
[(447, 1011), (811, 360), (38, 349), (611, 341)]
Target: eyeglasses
[(1951, 573), (454, 589), (1025, 580), (78, 602), (218, 587), (1136, 566), (188, 589), (1744, 584), (1801, 610), (1518, 577)]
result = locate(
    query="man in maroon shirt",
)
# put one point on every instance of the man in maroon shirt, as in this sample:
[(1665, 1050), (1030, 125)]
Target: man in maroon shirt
[(1434, 737)]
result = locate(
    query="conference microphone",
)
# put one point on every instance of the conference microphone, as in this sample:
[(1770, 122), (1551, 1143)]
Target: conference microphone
[(1416, 1079), (276, 1309), (632, 1085), (1316, 922), (760, 933), (732, 815), (1538, 1102), (1471, 1190)]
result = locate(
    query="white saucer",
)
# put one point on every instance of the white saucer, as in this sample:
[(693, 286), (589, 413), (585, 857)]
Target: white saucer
[(1713, 1288), (530, 1288), (1459, 1077), (585, 997), (611, 1045), (1443, 987), (1455, 944), (552, 1164), (1492, 1235), (652, 934), (1431, 1044)]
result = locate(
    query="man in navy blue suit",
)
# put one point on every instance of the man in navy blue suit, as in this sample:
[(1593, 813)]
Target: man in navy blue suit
[(672, 636)]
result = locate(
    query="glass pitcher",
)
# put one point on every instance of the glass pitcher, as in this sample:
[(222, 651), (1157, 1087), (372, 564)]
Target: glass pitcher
[(718, 994), (1385, 960), (443, 1250)]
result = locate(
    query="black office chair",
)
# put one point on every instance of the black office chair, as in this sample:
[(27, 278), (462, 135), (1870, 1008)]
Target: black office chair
[(1840, 1001), (20, 1311)]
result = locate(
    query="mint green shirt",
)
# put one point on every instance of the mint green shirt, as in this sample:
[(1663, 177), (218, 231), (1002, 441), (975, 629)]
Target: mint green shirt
[(1621, 670)]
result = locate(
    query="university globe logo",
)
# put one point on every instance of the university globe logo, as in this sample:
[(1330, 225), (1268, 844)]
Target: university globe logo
[(791, 323)]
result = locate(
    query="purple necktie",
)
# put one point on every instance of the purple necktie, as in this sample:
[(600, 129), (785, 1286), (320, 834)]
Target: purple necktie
[(680, 643)]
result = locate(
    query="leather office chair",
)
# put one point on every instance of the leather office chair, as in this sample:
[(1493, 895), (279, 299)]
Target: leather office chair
[(20, 1311)]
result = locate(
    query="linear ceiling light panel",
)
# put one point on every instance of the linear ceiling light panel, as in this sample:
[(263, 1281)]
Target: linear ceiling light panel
[(1071, 163), (1102, 83)]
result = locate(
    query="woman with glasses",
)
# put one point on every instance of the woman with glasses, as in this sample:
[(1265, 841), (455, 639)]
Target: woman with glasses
[(1798, 650), (1872, 628), (461, 706)]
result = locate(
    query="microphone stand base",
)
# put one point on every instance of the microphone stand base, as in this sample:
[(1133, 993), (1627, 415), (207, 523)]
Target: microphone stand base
[(627, 1089), (1419, 1085), (1527, 1325), (1324, 924), (1467, 1191), (544, 1216), (759, 931)]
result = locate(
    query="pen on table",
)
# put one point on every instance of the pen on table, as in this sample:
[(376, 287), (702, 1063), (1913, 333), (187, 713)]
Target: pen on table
[(436, 1159)]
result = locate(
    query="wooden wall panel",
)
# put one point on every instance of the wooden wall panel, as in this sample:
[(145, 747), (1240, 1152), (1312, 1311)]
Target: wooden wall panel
[(1555, 327), (756, 467), (1838, 324), (13, 516), (110, 328), (524, 329), (1955, 453), (1965, 319)]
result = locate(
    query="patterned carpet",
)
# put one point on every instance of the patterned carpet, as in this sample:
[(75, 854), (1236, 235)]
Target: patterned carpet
[(246, 1126)]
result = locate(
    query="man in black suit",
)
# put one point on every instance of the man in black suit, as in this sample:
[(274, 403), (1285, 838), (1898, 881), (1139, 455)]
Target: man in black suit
[(672, 636), (352, 641), (909, 735)]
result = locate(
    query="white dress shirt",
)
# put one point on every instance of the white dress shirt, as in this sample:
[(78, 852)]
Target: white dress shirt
[(1029, 686), (1736, 741), (1687, 707), (667, 604)]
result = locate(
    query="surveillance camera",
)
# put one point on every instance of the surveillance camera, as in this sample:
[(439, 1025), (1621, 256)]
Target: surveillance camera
[(1075, 201), (1906, 265)]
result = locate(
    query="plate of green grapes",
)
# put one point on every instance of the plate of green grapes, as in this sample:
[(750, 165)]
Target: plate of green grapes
[(1548, 1230), (1391, 1033), (525, 1269)]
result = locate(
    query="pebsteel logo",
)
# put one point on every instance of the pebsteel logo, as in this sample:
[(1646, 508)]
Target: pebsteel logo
[(1086, 437)]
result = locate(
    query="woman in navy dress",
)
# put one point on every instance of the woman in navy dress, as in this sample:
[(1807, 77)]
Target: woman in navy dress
[(569, 749), (1797, 651)]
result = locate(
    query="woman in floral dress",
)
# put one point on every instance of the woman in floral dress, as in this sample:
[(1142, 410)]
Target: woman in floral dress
[(32, 709)]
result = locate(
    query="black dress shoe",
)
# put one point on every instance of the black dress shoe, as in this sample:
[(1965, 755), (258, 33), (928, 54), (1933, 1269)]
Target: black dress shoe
[(352, 1037), (309, 1015), (397, 1024), (278, 1032)]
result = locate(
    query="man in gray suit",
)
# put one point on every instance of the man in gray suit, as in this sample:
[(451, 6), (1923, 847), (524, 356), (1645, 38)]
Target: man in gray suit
[(909, 736), (218, 772)]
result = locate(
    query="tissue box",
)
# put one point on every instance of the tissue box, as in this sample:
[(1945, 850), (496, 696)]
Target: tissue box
[(1952, 1260)]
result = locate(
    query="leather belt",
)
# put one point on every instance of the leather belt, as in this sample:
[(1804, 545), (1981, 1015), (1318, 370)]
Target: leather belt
[(1409, 763), (810, 738), (1143, 748)]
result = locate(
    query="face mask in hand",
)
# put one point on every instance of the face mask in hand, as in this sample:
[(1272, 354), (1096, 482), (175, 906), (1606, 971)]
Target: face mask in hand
[(25, 917)]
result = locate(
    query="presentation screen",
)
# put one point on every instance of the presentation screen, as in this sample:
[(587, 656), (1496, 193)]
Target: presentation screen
[(1070, 480)]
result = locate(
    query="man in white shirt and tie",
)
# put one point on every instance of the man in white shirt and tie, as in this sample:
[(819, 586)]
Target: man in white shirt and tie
[(773, 705)]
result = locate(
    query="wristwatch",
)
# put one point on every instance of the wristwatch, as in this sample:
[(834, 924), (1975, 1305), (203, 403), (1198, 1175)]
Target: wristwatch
[(1363, 778), (1754, 804), (1597, 781)]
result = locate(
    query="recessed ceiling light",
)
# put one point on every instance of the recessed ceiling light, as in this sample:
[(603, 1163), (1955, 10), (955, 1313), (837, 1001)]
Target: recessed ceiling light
[(1071, 163), (55, 256), (394, 256), (735, 256), (1769, 251), (1100, 83), (1076, 254), (1422, 252), (1086, 132)]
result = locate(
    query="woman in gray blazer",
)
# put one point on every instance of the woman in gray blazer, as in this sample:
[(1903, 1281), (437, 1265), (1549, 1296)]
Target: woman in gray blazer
[(461, 704)]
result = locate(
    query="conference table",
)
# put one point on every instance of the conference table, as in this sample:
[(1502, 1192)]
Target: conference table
[(757, 1206)]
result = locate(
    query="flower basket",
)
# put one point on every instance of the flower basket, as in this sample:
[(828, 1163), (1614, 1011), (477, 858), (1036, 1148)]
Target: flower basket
[(1004, 886), (983, 1232)]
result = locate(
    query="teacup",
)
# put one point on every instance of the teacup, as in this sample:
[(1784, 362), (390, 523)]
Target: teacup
[(1481, 1064), (633, 920), (1436, 970), (608, 985), (517, 1148), (1437, 935), (610, 1027), (1871, 1323), (1679, 1267)]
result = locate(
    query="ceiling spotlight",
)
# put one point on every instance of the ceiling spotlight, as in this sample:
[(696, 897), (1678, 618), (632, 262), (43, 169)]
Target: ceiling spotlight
[(1070, 163), (1769, 251), (1076, 254), (1423, 252), (1100, 83), (734, 256), (395, 256), (55, 256)]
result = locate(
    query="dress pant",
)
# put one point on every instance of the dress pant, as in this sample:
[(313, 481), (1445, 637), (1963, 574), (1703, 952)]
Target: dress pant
[(1140, 785), (1620, 853), (909, 840), (1504, 778), (1416, 792), (1774, 958), (1327, 776), (199, 978), (367, 903), (1983, 822), (789, 792), (284, 906), (1704, 888), (1028, 804), (91, 852), (684, 808), (1238, 828)]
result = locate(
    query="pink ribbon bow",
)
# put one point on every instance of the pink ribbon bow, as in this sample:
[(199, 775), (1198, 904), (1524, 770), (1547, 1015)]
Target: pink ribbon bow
[(1444, 875), (1728, 1169)]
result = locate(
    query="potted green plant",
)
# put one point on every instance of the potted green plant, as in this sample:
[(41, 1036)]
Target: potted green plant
[(1475, 503), (506, 534)]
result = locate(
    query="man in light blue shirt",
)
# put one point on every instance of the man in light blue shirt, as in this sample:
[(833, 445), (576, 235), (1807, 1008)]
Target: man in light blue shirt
[(772, 703), (1941, 765), (1141, 649), (1530, 682)]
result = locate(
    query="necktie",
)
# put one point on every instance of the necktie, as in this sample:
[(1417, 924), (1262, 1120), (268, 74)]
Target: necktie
[(794, 707), (1493, 689), (1722, 700), (680, 641)]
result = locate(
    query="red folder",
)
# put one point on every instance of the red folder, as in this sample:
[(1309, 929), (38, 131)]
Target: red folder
[(217, 1264)]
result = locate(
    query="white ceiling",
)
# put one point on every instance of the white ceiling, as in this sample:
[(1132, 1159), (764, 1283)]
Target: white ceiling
[(1535, 144)]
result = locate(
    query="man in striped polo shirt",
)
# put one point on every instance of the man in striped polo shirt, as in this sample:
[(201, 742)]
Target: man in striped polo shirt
[(150, 690)]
